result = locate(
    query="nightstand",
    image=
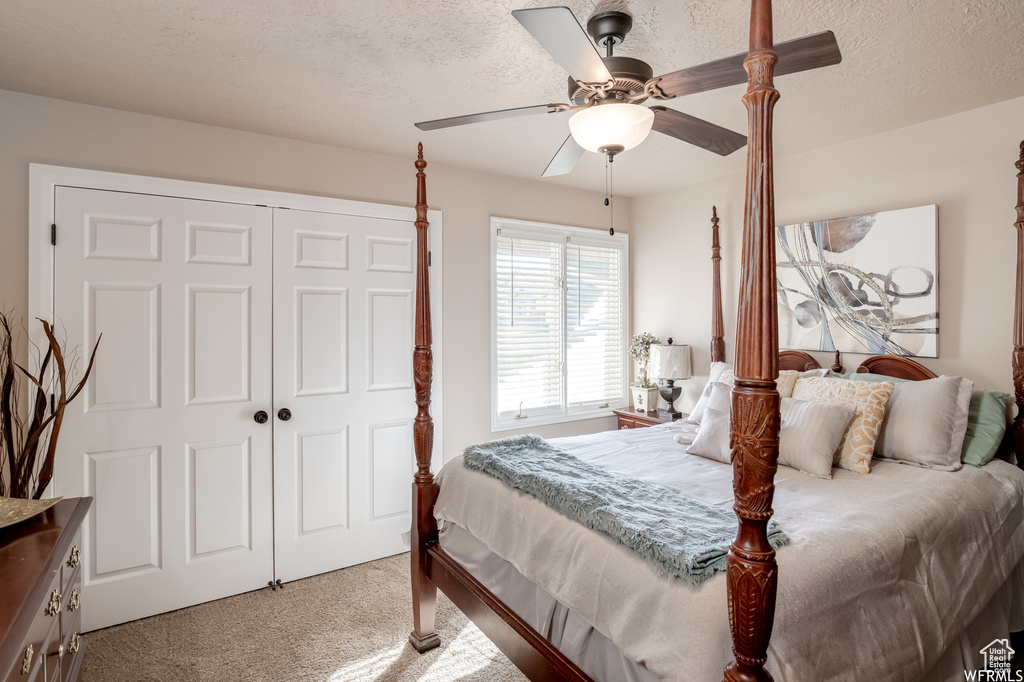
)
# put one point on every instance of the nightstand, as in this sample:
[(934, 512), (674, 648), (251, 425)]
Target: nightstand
[(629, 418)]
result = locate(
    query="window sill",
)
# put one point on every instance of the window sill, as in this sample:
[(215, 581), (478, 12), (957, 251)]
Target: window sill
[(553, 419)]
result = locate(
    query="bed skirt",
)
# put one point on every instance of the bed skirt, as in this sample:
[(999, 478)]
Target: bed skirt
[(1001, 616), (596, 655)]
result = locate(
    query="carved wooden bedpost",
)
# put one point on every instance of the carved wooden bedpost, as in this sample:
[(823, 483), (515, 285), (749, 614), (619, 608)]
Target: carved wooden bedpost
[(717, 328), (424, 490), (1018, 318), (752, 573)]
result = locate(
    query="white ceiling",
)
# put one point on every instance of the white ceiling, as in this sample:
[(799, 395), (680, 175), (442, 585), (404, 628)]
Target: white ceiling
[(359, 74)]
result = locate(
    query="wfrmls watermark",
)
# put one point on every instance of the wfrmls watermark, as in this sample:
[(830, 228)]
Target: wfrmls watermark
[(998, 664)]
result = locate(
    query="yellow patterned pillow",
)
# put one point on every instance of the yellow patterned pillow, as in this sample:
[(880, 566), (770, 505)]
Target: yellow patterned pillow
[(784, 384), (868, 403)]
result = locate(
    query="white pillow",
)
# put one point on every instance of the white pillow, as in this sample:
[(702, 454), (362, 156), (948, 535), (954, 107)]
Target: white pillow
[(722, 372), (712, 440), (925, 423), (810, 434), (717, 368), (963, 414)]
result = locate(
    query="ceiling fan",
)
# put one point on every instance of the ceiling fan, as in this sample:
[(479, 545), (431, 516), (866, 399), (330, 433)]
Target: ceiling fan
[(609, 91)]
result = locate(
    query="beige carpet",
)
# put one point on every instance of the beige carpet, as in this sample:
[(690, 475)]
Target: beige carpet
[(347, 625)]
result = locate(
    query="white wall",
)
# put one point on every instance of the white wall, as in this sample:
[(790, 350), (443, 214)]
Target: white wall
[(963, 163), (42, 130)]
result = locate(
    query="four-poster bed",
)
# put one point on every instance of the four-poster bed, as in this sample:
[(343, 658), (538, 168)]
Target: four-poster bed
[(752, 575)]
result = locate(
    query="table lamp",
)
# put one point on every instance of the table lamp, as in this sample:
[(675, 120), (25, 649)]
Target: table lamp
[(670, 363)]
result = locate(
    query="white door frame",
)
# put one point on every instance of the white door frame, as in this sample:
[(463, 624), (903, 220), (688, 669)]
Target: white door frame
[(44, 179)]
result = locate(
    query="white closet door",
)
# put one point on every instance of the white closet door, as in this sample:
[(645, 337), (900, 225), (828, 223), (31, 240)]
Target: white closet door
[(344, 290), (163, 436)]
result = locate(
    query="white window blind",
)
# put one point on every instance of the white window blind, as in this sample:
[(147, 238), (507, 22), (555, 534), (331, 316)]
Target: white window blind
[(594, 324), (529, 335), (559, 323)]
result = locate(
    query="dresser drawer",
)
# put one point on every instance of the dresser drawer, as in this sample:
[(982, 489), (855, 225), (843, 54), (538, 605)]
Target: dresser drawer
[(71, 599), (72, 562), (72, 663), (34, 663), (71, 623), (54, 649), (626, 422)]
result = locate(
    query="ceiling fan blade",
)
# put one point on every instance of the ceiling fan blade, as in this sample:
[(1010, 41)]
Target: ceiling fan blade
[(809, 52), (559, 32), (801, 54), (697, 131), (565, 158), (489, 116)]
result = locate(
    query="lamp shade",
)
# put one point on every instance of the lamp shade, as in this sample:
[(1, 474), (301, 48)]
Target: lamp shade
[(670, 362), (607, 125)]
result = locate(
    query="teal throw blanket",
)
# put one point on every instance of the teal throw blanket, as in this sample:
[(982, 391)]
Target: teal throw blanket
[(680, 536)]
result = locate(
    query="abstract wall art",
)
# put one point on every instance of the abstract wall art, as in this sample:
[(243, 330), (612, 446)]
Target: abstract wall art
[(862, 284)]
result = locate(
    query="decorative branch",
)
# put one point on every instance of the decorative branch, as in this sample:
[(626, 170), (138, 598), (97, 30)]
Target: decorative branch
[(28, 443)]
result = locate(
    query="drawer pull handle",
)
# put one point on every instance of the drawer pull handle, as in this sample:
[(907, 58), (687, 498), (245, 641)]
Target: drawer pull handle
[(73, 600), (26, 662), (624, 426), (73, 644), (75, 557), (53, 607)]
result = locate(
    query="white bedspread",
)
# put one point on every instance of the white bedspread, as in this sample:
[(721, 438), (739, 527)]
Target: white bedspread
[(883, 572)]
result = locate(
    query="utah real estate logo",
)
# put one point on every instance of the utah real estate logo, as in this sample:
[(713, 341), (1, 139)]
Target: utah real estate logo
[(998, 667)]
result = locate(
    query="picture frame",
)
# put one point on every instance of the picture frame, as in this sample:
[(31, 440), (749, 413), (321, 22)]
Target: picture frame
[(860, 284)]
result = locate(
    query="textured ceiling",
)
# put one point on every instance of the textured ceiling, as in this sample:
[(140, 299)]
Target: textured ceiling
[(358, 74)]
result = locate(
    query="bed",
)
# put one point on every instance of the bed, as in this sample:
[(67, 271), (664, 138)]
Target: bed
[(874, 586)]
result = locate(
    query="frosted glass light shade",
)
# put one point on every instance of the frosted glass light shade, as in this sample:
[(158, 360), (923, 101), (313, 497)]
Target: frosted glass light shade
[(670, 362), (605, 125)]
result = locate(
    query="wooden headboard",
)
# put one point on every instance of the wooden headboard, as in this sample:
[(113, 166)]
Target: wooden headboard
[(895, 366), (797, 360), (889, 365)]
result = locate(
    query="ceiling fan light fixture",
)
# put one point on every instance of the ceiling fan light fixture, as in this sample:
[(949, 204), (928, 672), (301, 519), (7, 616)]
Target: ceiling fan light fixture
[(611, 125)]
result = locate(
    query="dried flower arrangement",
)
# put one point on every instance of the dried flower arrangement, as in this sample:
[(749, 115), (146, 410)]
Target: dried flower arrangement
[(28, 436), (640, 350)]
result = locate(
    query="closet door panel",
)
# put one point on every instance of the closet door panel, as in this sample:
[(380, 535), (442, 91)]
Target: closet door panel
[(164, 436), (343, 320)]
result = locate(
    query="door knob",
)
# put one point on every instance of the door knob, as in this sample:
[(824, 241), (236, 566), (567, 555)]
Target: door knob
[(284, 414), (261, 417)]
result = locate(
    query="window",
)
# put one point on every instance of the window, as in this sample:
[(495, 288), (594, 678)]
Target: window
[(558, 321)]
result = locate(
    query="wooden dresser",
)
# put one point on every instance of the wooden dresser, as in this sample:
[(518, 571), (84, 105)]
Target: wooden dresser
[(629, 418), (40, 588)]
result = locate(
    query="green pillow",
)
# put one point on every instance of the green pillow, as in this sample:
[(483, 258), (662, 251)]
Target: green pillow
[(986, 424)]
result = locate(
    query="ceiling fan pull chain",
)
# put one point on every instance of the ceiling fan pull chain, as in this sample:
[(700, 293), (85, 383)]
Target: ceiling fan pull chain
[(606, 200), (609, 191)]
